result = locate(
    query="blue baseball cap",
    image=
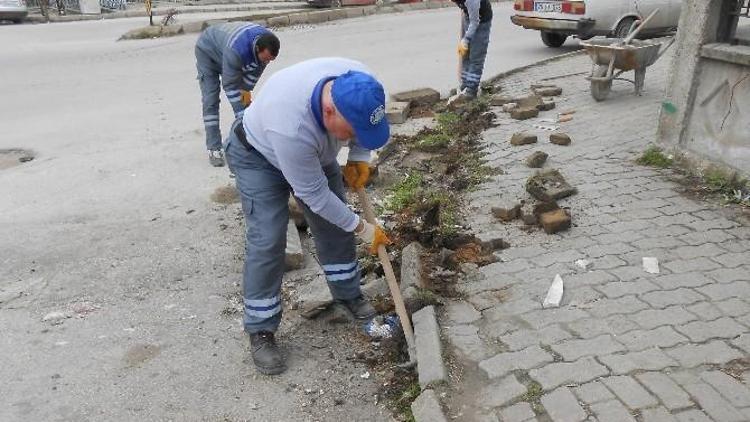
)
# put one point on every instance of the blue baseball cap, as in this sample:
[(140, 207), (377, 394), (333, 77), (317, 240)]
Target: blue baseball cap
[(361, 100)]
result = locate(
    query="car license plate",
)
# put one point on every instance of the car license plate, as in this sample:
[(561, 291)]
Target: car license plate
[(548, 6)]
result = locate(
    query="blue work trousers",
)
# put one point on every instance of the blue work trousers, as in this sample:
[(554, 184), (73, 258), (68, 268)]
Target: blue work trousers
[(209, 80), (472, 64), (265, 193)]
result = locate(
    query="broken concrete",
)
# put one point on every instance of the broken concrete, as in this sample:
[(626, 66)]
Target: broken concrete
[(549, 185), (540, 208), (546, 105), (523, 113), (523, 138), (397, 112), (498, 100), (526, 214), (537, 159), (555, 221), (548, 91), (506, 213), (314, 297), (494, 244), (528, 101), (426, 408), (508, 107), (418, 97), (296, 214), (411, 266), (559, 138), (294, 258)]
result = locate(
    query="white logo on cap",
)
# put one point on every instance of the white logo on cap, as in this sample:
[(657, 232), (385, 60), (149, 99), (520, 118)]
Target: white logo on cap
[(377, 115)]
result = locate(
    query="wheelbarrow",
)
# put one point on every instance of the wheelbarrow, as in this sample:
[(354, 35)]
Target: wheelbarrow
[(614, 56)]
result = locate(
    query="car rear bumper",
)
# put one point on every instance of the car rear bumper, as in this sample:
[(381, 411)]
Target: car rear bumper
[(10, 13), (319, 3), (564, 26)]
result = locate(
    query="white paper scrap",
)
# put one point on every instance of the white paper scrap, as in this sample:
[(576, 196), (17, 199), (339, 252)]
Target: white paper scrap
[(650, 265), (554, 294)]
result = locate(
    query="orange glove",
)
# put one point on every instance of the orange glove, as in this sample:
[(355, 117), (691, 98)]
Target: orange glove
[(374, 235), (463, 48), (356, 174), (246, 97)]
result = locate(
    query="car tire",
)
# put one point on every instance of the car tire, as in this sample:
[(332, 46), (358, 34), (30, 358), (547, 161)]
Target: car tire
[(553, 39), (623, 28)]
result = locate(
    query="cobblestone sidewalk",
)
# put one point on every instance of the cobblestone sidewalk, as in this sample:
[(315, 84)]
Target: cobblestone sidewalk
[(624, 345)]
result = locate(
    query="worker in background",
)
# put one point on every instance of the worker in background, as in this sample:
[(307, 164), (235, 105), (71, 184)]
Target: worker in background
[(476, 23), (287, 141), (235, 53)]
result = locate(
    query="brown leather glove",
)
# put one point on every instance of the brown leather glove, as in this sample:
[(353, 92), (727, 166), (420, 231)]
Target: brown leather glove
[(356, 174)]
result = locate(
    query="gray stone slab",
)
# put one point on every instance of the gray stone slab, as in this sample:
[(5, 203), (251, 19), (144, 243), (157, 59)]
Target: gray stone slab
[(630, 392), (714, 404), (671, 395), (665, 298), (623, 305), (574, 349), (693, 415), (594, 327), (617, 289), (544, 317), (503, 363), (705, 311), (726, 291), (562, 406), (501, 392), (715, 352), (664, 336), (652, 318), (556, 374), (465, 338), (522, 339), (611, 411), (294, 258), (700, 331), (426, 408), (429, 349), (397, 112), (519, 412), (647, 360), (593, 392), (658, 414), (461, 313), (732, 390)]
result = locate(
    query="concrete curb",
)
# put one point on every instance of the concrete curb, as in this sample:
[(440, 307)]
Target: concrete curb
[(300, 18), (542, 62), (430, 365), (426, 408)]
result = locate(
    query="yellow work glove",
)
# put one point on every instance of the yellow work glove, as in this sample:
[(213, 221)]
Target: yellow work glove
[(356, 174), (246, 97), (463, 48), (372, 234)]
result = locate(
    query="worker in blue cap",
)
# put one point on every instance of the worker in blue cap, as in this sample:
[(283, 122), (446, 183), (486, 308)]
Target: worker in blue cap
[(287, 141)]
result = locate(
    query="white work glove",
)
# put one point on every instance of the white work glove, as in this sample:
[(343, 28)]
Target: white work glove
[(372, 235)]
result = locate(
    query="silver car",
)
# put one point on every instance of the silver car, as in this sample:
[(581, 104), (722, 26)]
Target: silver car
[(13, 10), (558, 19)]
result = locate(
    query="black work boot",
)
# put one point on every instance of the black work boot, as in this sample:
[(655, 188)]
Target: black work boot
[(359, 307), (266, 354)]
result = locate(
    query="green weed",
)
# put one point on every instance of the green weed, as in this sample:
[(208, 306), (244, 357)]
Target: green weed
[(654, 157), (405, 193)]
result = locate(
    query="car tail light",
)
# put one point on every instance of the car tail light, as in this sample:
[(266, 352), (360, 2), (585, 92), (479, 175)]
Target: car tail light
[(523, 5), (574, 7)]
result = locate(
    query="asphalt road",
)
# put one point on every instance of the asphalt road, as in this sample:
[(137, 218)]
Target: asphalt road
[(112, 223)]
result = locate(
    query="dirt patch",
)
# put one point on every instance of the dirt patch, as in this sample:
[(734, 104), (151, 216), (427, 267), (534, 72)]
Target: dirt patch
[(737, 368), (141, 353), (226, 195), (14, 157)]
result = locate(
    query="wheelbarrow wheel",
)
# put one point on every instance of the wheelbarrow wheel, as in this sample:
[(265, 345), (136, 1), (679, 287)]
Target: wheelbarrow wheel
[(600, 89)]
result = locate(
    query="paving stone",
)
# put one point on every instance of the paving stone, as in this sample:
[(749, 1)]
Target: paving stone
[(594, 327), (726, 291), (608, 262), (418, 97), (671, 395), (717, 223), (616, 289), (498, 328), (429, 347), (727, 275), (542, 318), (572, 350), (675, 281), (522, 339), (629, 273), (658, 242), (509, 267), (715, 352), (523, 138), (536, 159), (705, 250), (732, 259), (506, 213), (556, 374), (630, 392), (692, 416), (581, 296), (397, 112), (743, 342), (652, 318), (294, 255), (733, 391), (555, 221), (502, 363), (700, 331), (596, 277), (461, 313), (597, 251), (623, 305), (662, 337), (500, 392), (709, 236), (511, 308), (561, 405), (519, 412), (523, 252), (466, 339), (665, 298), (691, 265), (646, 360), (713, 404), (523, 113), (559, 138), (593, 392), (499, 100), (705, 311), (611, 411), (426, 408), (658, 414)]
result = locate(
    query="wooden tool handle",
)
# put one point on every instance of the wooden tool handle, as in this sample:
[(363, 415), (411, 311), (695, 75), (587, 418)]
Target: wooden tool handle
[(390, 277)]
